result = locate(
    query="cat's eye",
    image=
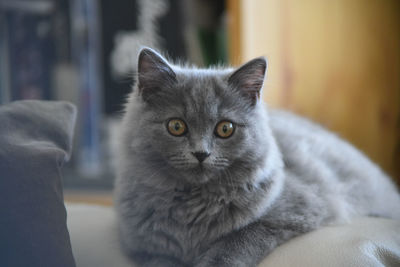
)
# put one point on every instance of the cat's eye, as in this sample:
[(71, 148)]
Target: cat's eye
[(224, 129), (176, 127)]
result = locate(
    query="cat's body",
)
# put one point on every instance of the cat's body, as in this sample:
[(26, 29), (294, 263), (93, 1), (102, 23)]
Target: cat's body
[(275, 177)]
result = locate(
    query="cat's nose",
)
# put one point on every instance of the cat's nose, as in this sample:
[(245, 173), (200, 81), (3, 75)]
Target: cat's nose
[(201, 156)]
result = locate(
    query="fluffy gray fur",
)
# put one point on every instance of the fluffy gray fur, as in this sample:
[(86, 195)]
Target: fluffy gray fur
[(277, 176)]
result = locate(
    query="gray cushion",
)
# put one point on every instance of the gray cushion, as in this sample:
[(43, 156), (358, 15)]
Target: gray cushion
[(35, 141)]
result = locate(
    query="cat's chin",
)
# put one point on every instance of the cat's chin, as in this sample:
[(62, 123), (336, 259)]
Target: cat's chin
[(199, 173)]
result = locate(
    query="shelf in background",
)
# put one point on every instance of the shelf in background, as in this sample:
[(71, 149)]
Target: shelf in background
[(97, 197)]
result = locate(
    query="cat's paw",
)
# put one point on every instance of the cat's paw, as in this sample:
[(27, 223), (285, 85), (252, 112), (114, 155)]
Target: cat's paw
[(144, 259), (219, 258), (162, 262)]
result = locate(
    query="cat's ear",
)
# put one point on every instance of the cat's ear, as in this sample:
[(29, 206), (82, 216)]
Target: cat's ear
[(154, 73), (249, 79)]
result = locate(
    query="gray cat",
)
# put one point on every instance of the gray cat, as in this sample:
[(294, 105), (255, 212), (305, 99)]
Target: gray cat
[(208, 176)]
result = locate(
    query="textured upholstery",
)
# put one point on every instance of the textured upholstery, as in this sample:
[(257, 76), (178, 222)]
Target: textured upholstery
[(363, 242)]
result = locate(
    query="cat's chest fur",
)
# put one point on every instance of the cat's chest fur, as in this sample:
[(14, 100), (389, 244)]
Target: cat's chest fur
[(187, 220)]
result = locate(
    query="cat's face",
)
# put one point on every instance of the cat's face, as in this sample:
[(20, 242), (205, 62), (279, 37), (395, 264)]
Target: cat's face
[(201, 123)]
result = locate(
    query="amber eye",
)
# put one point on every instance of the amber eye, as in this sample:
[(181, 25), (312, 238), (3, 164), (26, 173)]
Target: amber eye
[(224, 129), (176, 127)]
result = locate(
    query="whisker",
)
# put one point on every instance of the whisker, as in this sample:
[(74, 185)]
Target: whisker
[(178, 160)]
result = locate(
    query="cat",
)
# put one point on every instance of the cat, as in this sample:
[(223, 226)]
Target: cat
[(209, 176)]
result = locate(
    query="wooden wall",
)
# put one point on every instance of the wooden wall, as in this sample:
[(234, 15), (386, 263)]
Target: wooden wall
[(337, 62)]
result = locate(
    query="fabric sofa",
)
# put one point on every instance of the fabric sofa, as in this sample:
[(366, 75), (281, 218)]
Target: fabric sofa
[(363, 242)]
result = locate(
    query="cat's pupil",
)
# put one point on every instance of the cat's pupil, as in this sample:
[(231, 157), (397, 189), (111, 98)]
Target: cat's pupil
[(225, 128), (177, 126)]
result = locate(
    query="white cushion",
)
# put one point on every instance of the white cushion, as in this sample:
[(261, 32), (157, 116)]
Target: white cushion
[(363, 242), (94, 236)]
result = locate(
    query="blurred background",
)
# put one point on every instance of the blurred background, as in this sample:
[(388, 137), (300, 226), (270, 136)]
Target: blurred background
[(336, 62)]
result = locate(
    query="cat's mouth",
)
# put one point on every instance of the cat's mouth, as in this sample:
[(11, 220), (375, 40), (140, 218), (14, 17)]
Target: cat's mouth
[(198, 167), (201, 167), (199, 172)]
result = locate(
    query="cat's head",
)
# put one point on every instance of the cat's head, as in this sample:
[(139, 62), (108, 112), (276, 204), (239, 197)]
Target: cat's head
[(204, 124)]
